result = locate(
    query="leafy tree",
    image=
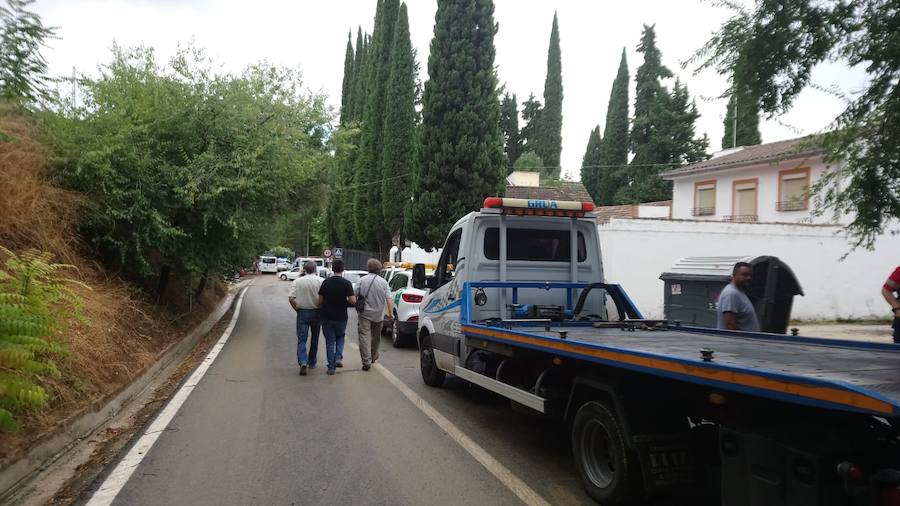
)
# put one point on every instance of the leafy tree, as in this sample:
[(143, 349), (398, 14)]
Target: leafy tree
[(183, 168), (281, 252), (340, 222), (550, 144), (591, 171), (741, 120), (347, 86), (529, 136), (399, 155), (367, 200), (35, 303), (772, 49), (509, 126), (613, 156), (529, 161), (461, 154), (23, 70)]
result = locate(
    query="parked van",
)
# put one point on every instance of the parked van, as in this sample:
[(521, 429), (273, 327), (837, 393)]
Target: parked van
[(268, 264)]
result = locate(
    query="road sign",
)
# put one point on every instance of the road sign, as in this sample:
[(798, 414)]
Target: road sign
[(326, 253), (338, 252)]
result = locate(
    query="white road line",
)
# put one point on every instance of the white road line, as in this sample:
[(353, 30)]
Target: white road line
[(504, 475), (114, 483)]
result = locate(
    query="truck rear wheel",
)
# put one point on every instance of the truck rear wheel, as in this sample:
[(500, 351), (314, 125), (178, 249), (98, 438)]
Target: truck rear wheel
[(609, 471), (433, 376)]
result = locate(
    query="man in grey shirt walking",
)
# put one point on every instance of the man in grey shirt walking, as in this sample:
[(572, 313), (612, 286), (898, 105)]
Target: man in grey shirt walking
[(374, 289), (736, 311)]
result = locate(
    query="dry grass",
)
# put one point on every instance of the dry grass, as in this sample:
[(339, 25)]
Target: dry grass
[(123, 332)]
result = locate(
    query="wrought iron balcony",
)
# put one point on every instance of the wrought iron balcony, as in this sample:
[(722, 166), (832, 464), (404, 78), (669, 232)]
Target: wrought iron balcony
[(741, 218), (791, 205), (703, 211)]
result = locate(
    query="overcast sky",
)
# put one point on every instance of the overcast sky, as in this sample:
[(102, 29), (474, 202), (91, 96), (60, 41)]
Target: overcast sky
[(311, 35)]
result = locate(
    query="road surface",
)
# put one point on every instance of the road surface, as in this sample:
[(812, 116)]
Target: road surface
[(255, 432)]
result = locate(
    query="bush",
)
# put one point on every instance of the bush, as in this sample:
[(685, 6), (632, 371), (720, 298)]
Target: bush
[(34, 299)]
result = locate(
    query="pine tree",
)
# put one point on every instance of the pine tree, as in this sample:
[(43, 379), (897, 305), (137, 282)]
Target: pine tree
[(461, 157), (550, 144), (613, 156), (367, 201), (744, 112), (399, 155), (590, 172), (529, 136), (347, 86), (509, 125), (648, 100)]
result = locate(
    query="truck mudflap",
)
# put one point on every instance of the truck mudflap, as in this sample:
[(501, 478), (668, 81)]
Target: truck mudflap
[(667, 460)]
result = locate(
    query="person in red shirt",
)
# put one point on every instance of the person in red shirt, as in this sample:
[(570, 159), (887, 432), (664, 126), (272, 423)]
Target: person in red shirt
[(891, 293)]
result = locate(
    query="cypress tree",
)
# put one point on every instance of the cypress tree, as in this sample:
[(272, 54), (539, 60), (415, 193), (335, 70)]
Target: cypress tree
[(743, 108), (613, 156), (550, 144), (359, 76), (461, 157), (347, 86), (399, 156), (648, 100), (509, 125), (529, 136), (367, 202), (590, 172)]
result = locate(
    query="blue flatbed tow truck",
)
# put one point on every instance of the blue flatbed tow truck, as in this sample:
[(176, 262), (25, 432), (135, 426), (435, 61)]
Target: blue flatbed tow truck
[(655, 409)]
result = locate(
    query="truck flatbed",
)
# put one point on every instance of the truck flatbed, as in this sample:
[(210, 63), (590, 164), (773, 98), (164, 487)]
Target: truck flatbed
[(841, 375)]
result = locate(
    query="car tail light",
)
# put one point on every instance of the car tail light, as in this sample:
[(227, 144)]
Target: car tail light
[(411, 298), (413, 318)]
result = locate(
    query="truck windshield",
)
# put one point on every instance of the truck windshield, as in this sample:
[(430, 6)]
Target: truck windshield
[(533, 245)]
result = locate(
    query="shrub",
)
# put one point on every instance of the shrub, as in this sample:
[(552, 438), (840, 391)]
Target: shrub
[(34, 301)]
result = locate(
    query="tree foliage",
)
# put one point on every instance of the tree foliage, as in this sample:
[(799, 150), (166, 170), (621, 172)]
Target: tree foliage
[(529, 161), (591, 172), (549, 146), (399, 156), (772, 49), (35, 303), (347, 85), (185, 169), (613, 154), (741, 120), (23, 70), (461, 153), (529, 135), (509, 127)]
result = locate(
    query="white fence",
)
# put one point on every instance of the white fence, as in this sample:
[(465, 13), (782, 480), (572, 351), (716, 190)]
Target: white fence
[(636, 252)]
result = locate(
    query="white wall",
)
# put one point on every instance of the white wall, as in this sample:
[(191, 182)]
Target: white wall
[(767, 192), (416, 254), (636, 252), (653, 211)]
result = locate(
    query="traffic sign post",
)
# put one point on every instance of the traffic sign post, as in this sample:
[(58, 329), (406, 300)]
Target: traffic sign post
[(326, 253), (338, 252)]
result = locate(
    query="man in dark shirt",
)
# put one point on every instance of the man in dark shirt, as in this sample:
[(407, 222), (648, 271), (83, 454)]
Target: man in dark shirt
[(335, 296), (891, 293)]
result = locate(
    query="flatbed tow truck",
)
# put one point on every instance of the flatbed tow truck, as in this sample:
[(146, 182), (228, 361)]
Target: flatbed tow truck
[(519, 306)]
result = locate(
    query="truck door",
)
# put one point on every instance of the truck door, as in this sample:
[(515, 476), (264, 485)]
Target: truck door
[(444, 305)]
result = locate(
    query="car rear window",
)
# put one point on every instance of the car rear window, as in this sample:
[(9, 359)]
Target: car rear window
[(268, 260), (533, 245)]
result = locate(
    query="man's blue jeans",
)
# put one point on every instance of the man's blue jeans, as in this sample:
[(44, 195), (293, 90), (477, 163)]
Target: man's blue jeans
[(307, 321), (334, 331)]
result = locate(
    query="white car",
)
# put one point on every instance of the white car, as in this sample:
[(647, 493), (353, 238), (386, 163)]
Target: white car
[(354, 277), (291, 274), (406, 308), (268, 264), (282, 264)]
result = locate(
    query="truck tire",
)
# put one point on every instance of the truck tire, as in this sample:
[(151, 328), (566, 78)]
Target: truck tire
[(433, 376), (609, 471), (398, 339)]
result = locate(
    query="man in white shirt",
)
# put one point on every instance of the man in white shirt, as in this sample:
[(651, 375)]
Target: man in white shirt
[(304, 298)]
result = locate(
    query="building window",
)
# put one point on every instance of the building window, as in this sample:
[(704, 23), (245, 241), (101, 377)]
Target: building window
[(744, 199), (793, 190), (704, 198)]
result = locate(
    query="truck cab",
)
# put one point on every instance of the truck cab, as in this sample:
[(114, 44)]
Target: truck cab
[(526, 240)]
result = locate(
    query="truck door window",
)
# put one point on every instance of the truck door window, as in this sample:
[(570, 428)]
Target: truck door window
[(533, 245), (449, 256)]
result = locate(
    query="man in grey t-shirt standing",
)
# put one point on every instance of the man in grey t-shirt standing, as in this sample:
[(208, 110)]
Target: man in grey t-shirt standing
[(736, 311), (374, 289)]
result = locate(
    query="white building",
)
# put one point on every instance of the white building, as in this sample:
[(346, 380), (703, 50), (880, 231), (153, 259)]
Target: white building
[(765, 183)]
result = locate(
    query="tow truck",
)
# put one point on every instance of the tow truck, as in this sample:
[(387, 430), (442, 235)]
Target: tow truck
[(519, 305)]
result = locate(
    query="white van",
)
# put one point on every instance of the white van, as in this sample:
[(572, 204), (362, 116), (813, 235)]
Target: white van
[(268, 264)]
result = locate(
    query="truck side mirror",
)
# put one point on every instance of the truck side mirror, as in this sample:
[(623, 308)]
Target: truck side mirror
[(431, 282), (418, 276)]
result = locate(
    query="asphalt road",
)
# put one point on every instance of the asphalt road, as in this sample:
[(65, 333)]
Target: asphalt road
[(255, 432)]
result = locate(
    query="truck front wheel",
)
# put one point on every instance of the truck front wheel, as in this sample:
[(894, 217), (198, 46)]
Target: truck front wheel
[(609, 471), (433, 376)]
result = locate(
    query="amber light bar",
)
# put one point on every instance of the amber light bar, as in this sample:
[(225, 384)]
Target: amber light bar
[(539, 207)]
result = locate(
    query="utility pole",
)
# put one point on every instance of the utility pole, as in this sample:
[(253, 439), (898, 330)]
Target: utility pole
[(307, 238), (734, 126)]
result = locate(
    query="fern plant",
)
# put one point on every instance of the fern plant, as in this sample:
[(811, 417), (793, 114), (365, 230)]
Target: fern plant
[(34, 301)]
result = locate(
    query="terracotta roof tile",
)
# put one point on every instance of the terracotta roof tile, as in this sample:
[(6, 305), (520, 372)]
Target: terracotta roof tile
[(567, 190), (748, 155)]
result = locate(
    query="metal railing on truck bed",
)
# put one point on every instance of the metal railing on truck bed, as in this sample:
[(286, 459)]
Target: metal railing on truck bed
[(834, 374)]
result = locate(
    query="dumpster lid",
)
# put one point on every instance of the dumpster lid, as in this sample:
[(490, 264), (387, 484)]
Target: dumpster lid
[(720, 268)]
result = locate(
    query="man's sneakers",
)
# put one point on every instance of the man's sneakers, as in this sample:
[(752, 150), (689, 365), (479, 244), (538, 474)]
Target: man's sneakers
[(302, 369), (339, 364), (366, 367), (330, 372)]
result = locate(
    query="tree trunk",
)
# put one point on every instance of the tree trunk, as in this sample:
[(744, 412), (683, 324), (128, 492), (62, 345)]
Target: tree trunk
[(202, 285), (163, 282)]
